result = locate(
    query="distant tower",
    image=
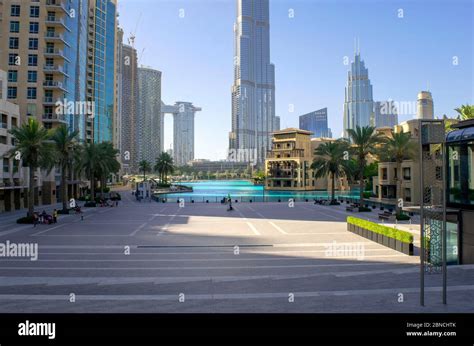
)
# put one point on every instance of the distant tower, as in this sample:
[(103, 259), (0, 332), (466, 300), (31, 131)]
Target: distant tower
[(425, 105), (358, 101)]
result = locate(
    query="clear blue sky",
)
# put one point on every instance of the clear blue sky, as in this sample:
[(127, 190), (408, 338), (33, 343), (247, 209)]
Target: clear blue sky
[(404, 55)]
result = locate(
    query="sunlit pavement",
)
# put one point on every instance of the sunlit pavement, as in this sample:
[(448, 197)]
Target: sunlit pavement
[(261, 257)]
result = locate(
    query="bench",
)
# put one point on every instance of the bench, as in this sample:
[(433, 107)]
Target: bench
[(387, 215), (352, 207)]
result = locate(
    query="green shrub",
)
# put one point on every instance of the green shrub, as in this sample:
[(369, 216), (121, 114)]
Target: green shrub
[(402, 217), (367, 194), (90, 205), (363, 209), (26, 220), (403, 236)]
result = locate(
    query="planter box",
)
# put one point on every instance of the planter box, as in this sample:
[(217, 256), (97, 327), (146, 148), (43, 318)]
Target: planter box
[(384, 240), (392, 243), (407, 249), (398, 246), (380, 238)]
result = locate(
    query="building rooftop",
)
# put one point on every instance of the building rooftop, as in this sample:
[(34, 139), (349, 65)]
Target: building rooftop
[(292, 130)]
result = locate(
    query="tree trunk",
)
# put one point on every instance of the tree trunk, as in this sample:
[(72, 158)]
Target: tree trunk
[(333, 186), (361, 184), (399, 187), (64, 193), (92, 180), (31, 192)]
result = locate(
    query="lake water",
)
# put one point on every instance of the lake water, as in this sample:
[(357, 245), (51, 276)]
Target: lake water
[(243, 190)]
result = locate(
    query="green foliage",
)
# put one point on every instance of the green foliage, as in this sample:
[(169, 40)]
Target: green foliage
[(402, 217), (390, 232), (332, 158), (365, 141), (33, 143), (465, 112), (259, 176), (164, 166)]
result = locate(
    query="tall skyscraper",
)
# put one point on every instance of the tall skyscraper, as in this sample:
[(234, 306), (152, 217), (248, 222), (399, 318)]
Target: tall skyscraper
[(358, 100), (253, 91), (183, 130), (101, 70), (425, 109), (316, 122), (149, 136), (385, 114), (129, 109)]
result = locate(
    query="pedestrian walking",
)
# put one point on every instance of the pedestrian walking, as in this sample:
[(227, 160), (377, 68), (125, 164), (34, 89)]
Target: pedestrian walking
[(35, 219), (55, 216)]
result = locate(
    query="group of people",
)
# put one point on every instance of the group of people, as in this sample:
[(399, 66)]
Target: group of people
[(45, 218)]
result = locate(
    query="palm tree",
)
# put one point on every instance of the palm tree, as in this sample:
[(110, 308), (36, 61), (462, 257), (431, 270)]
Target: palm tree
[(465, 112), (108, 156), (99, 160), (144, 166), (364, 143), (91, 161), (164, 166), (64, 142), (331, 160), (33, 143), (400, 147)]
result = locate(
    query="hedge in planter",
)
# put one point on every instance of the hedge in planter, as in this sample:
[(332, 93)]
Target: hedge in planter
[(391, 237), (391, 232)]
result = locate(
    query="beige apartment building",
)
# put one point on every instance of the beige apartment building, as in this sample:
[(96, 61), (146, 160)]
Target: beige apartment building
[(288, 163), (13, 178), (385, 185), (38, 52)]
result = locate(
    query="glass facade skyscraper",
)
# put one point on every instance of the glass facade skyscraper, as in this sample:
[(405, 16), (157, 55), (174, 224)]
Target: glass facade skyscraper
[(253, 91), (358, 101), (101, 69), (316, 122)]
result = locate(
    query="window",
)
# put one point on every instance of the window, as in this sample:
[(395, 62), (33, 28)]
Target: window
[(14, 42), (12, 92), (12, 76), (33, 43), (34, 11), (32, 60), (384, 173), (395, 173), (15, 11), (31, 93), (32, 76), (4, 123), (15, 27), (3, 139), (407, 173), (407, 193), (34, 27), (6, 165), (13, 59), (31, 109)]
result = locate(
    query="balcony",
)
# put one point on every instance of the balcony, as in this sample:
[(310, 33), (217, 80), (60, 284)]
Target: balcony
[(55, 69), (54, 118), (56, 5), (49, 101), (57, 53), (54, 37), (57, 22), (50, 84), (285, 154)]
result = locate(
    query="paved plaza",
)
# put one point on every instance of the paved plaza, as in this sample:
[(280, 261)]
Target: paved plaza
[(261, 257)]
